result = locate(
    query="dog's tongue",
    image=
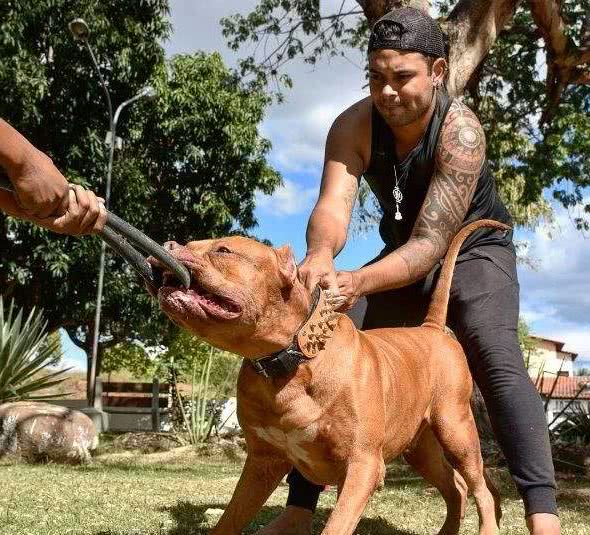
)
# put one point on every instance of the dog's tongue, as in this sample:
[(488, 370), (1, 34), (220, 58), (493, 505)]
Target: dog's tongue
[(195, 300)]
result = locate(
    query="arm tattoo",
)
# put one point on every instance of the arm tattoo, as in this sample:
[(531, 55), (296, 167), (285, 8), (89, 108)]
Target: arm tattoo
[(459, 157)]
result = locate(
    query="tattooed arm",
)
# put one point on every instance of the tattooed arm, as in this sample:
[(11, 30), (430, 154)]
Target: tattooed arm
[(460, 155), (344, 162)]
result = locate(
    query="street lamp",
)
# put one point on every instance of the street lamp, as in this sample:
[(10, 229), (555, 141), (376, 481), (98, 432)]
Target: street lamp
[(81, 32)]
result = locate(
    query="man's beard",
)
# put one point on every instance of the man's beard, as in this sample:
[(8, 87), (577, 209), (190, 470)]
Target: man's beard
[(402, 116)]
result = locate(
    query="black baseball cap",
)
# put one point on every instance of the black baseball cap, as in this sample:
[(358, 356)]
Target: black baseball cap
[(409, 29)]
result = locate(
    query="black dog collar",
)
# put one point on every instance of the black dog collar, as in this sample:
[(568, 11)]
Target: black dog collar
[(287, 360)]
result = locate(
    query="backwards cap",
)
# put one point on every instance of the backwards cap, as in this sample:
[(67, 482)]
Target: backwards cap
[(410, 29)]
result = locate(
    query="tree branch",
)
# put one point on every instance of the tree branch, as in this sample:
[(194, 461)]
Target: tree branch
[(473, 27), (563, 55), (374, 9)]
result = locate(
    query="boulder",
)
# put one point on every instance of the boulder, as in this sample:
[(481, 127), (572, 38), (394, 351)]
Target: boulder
[(41, 432)]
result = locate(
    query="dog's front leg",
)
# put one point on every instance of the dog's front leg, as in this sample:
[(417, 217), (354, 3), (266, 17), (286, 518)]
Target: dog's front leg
[(260, 477), (363, 476)]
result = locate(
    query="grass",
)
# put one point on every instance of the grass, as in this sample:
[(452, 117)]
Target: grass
[(170, 493)]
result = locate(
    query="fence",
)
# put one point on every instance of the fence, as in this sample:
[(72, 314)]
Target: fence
[(133, 406)]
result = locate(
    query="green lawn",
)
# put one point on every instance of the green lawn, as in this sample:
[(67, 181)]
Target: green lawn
[(169, 494)]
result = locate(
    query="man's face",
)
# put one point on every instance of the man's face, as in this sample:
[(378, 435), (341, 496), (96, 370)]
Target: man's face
[(401, 85)]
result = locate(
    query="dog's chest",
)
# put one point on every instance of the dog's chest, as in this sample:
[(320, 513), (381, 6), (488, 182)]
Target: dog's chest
[(295, 443)]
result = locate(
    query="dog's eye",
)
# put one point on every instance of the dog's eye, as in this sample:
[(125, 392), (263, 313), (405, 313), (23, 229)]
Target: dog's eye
[(223, 250)]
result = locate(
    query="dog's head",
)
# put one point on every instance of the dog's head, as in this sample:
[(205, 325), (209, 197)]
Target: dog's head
[(244, 296)]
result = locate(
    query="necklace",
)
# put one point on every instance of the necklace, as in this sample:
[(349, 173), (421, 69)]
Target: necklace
[(398, 196)]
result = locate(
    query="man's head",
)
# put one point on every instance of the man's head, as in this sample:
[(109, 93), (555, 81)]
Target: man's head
[(406, 63)]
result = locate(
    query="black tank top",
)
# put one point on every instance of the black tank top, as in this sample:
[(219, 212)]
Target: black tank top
[(414, 175)]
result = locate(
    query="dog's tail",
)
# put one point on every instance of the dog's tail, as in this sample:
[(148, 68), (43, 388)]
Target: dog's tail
[(437, 312)]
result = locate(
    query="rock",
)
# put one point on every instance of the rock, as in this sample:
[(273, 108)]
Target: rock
[(213, 514), (41, 432)]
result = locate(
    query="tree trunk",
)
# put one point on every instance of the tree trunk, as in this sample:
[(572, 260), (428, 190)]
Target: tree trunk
[(374, 9), (472, 27)]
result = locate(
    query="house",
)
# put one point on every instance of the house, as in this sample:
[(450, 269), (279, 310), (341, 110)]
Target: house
[(565, 394), (552, 370), (549, 358)]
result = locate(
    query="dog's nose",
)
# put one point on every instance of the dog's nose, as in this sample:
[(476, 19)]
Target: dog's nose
[(171, 245)]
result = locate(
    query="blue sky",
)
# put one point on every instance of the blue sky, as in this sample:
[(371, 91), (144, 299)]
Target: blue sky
[(555, 298)]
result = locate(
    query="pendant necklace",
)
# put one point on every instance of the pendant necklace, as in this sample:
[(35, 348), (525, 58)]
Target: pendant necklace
[(398, 196)]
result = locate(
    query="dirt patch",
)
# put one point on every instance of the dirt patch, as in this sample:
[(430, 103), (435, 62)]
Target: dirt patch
[(146, 442), (233, 450)]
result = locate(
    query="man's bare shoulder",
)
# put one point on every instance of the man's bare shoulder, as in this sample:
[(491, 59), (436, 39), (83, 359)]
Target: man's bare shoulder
[(356, 116), (351, 132)]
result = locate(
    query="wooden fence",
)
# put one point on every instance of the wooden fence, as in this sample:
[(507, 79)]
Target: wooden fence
[(134, 399)]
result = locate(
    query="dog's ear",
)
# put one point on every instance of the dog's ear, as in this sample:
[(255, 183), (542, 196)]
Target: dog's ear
[(287, 265)]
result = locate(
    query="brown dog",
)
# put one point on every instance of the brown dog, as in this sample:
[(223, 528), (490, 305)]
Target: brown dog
[(347, 401)]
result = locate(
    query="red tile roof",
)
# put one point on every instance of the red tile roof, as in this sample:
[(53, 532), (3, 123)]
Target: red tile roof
[(566, 387)]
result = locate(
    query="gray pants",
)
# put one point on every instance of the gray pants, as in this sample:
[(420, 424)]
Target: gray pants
[(483, 313)]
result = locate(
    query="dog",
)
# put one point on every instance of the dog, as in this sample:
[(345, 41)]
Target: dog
[(317, 394)]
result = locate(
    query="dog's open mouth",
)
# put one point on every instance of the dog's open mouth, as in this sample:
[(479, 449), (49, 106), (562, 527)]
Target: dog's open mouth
[(195, 300)]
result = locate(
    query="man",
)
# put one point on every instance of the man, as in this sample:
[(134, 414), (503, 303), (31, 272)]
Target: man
[(424, 157), (42, 195)]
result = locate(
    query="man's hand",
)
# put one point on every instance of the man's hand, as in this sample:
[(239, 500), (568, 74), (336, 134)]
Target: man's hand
[(86, 214), (349, 289), (41, 190), (318, 268)]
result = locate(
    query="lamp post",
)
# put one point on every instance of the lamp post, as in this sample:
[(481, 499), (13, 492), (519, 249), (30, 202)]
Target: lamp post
[(81, 32)]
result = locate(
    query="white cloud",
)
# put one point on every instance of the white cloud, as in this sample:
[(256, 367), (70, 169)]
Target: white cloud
[(576, 338), (556, 297), (289, 199), (297, 127)]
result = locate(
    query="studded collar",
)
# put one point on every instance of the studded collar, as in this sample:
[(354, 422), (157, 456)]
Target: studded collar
[(309, 340)]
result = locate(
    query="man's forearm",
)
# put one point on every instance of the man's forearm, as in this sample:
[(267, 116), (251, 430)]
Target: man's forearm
[(13, 147), (8, 204), (325, 232), (404, 266)]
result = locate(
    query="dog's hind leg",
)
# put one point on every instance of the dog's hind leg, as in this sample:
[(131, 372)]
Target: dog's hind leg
[(495, 494), (457, 434), (428, 459)]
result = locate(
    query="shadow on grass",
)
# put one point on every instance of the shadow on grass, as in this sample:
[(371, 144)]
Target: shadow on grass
[(190, 519), (126, 467)]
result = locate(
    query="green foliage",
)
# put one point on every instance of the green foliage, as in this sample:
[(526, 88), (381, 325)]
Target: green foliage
[(574, 428), (25, 352), (197, 419), (508, 93), (191, 163), (185, 354), (527, 346)]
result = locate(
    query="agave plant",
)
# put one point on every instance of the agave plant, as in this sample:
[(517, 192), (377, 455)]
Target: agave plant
[(575, 428), (25, 351)]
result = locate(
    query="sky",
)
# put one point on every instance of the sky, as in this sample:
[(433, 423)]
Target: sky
[(555, 296)]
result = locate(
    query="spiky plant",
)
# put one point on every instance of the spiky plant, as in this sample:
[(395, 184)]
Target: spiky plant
[(25, 352), (575, 428)]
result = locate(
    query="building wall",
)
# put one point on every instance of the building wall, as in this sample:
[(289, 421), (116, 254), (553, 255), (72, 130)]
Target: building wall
[(546, 357)]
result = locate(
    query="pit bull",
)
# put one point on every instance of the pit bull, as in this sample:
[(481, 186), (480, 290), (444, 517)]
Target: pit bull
[(318, 394)]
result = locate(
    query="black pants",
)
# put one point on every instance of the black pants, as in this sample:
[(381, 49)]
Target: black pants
[(483, 313)]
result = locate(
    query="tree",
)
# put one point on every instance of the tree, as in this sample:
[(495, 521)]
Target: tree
[(190, 167), (184, 352), (537, 124)]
